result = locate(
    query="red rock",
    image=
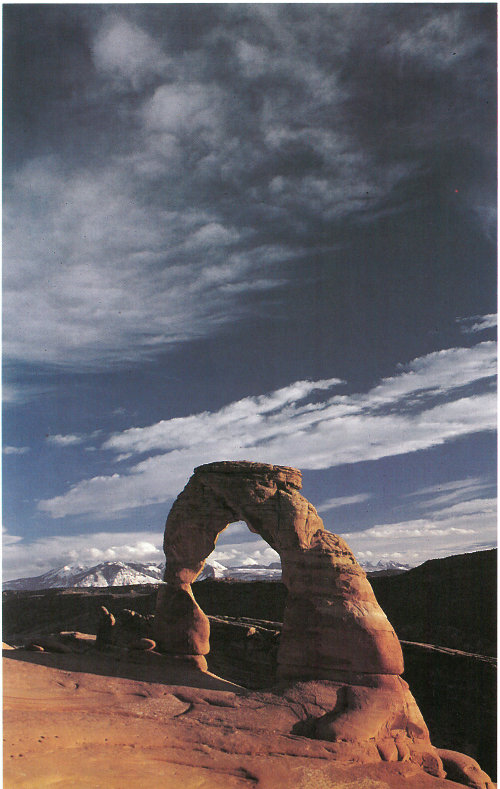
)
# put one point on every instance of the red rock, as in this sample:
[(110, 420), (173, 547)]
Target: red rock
[(332, 622), (168, 726), (181, 627), (143, 644), (464, 770), (339, 658)]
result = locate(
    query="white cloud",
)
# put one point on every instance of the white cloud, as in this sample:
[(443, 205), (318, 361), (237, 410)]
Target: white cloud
[(106, 262), (9, 539), (210, 234), (102, 277), (11, 394), (478, 323), (65, 441), (19, 394), (254, 60), (22, 558), (185, 431), (244, 553), (438, 42), (127, 54), (178, 108), (290, 426), (448, 493), (440, 371), (343, 501), (358, 185), (8, 450)]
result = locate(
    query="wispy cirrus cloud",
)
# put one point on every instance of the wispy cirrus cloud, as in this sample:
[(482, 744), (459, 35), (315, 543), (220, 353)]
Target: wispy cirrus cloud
[(177, 433), (450, 493), (212, 139), (422, 407), (116, 285), (7, 538), (10, 450), (343, 501), (458, 516), (437, 42), (477, 323), (14, 394), (65, 440)]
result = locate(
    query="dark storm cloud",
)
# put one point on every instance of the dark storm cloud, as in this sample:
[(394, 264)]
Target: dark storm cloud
[(167, 167)]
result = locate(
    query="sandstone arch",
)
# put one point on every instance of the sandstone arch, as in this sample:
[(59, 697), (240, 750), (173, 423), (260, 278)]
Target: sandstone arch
[(336, 644), (333, 624)]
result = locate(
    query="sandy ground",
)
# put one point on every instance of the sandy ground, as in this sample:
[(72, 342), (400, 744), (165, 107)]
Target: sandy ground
[(93, 721)]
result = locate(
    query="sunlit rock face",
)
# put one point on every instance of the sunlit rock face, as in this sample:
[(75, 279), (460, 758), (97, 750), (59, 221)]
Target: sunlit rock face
[(336, 641), (333, 624)]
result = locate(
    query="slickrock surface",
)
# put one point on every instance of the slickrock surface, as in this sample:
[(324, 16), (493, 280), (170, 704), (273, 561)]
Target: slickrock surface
[(333, 630), (78, 725)]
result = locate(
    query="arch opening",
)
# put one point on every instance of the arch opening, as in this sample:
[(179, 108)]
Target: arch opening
[(242, 596), (241, 553)]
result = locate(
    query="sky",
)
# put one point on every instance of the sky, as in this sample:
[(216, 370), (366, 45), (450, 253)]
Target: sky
[(262, 232)]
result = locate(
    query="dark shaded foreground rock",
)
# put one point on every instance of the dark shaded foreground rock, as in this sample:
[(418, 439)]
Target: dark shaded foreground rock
[(464, 770), (454, 602), (71, 726), (105, 627)]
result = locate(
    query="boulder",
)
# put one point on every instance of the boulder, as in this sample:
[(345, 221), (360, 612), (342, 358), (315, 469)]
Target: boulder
[(105, 628)]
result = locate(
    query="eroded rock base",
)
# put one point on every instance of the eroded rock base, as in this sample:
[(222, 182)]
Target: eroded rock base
[(75, 726), (380, 722)]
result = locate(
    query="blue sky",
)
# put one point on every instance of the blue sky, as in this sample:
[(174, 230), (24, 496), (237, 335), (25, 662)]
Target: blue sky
[(261, 232)]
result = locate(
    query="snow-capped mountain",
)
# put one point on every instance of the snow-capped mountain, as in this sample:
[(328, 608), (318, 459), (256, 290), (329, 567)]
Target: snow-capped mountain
[(212, 570), (135, 573), (254, 572), (382, 566), (81, 576)]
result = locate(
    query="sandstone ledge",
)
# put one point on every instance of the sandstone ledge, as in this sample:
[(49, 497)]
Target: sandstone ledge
[(83, 729)]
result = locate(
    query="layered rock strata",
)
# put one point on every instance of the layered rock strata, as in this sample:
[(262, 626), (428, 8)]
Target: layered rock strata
[(334, 631)]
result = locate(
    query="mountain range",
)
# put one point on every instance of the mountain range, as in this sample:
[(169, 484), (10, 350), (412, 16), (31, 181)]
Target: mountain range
[(133, 573)]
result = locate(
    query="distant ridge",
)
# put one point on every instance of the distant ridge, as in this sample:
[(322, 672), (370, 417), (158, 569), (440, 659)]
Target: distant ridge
[(76, 576), (100, 575)]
